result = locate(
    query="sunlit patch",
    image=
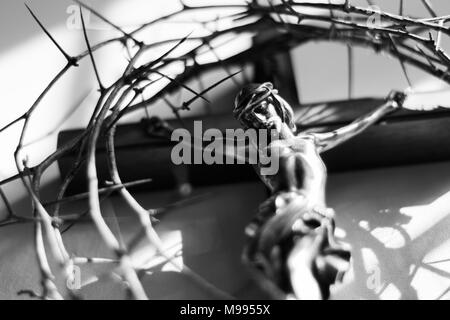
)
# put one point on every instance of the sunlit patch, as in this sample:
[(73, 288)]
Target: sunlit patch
[(439, 257), (147, 258), (425, 217), (430, 284), (364, 224), (340, 233), (391, 292), (144, 258), (392, 238), (369, 259), (428, 94)]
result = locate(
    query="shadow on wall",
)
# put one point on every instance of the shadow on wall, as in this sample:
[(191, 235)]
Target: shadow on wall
[(397, 220), (205, 233)]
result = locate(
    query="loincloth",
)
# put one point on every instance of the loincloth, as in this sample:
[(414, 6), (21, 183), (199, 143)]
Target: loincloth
[(281, 222)]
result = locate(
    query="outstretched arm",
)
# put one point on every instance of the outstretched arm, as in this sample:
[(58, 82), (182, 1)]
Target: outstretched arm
[(329, 140)]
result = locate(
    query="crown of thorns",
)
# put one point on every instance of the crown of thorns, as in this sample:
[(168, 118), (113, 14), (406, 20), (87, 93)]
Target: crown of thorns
[(253, 95)]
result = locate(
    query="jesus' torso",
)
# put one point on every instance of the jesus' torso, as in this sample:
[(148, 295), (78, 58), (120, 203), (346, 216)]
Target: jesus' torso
[(300, 169)]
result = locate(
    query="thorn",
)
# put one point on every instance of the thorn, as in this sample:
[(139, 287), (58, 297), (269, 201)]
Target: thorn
[(429, 7), (184, 5), (107, 190), (347, 6), (224, 67), (138, 43), (70, 59), (25, 161), (240, 16), (427, 57), (402, 63), (400, 11), (333, 25), (186, 104), (439, 36), (170, 50), (278, 15), (350, 71), (197, 95), (102, 88)]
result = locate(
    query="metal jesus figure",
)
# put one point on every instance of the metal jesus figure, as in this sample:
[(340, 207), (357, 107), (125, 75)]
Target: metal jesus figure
[(291, 242)]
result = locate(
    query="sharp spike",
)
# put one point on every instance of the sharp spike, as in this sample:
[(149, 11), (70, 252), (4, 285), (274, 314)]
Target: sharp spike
[(439, 37), (224, 67), (429, 7), (170, 50), (139, 43), (197, 95), (187, 103), (426, 57), (102, 88), (69, 58), (278, 15), (105, 190), (350, 71), (402, 63)]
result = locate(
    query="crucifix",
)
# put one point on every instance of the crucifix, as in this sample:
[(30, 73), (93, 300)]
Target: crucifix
[(291, 242)]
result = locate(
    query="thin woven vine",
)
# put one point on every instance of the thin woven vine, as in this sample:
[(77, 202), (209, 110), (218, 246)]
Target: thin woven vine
[(412, 40)]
